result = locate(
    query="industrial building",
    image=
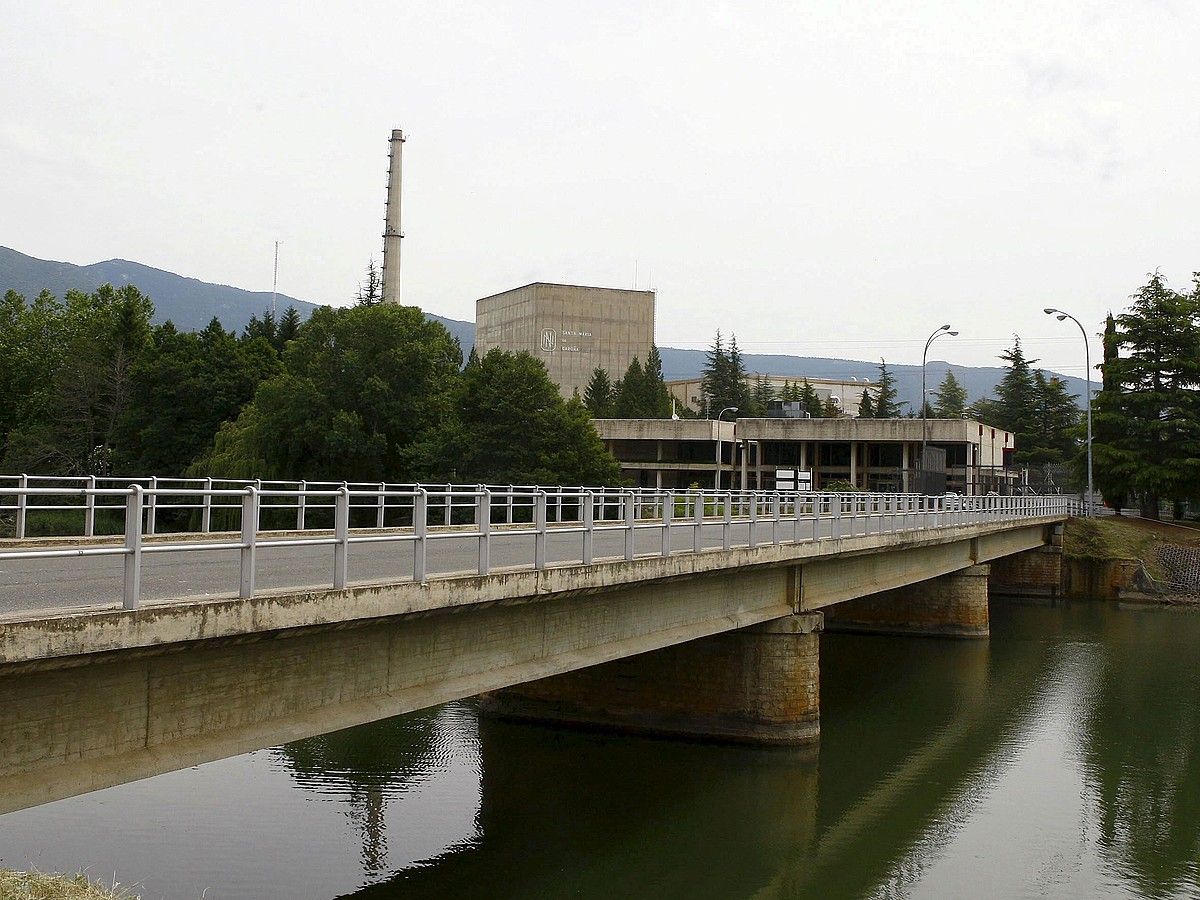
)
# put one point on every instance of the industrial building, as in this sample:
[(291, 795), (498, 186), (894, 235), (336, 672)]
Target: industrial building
[(573, 329), (846, 394), (871, 454)]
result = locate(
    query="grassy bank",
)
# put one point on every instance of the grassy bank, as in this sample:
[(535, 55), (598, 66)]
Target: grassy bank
[(1121, 537), (38, 886)]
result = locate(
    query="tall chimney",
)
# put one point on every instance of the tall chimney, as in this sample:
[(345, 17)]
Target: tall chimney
[(391, 231)]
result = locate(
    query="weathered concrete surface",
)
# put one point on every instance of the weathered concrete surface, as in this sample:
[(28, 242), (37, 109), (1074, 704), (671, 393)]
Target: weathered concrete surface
[(954, 605), (95, 698), (129, 715), (1034, 573), (758, 685)]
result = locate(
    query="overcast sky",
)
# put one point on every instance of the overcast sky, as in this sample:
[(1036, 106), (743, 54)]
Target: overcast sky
[(828, 179)]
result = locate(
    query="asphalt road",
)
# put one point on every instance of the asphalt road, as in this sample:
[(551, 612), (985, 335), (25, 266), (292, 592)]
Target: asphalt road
[(64, 582)]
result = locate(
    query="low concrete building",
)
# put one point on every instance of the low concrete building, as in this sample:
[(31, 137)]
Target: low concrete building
[(847, 394), (871, 454), (573, 329)]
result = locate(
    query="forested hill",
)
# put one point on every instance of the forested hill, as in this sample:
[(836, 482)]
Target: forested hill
[(191, 304)]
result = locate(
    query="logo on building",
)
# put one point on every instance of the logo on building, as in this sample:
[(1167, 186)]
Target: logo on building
[(549, 340)]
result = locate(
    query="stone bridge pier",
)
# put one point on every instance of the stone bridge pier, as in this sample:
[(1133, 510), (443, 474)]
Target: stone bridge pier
[(757, 685), (954, 605)]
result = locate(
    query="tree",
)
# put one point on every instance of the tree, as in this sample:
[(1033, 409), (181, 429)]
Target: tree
[(289, 328), (724, 378), (515, 428), (361, 390), (370, 291), (182, 390), (598, 396), (1115, 463), (762, 395), (1158, 413), (886, 406), (950, 399), (70, 425), (629, 400), (830, 409), (866, 406), (809, 401), (1053, 431)]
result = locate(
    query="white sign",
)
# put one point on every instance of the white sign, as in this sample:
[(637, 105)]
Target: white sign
[(793, 479)]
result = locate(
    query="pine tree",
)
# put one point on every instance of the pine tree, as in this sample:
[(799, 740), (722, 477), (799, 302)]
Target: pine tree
[(724, 378), (809, 400), (1115, 464), (289, 328), (886, 406), (950, 399), (628, 401), (370, 292), (657, 397), (598, 396), (763, 394), (830, 408), (866, 406)]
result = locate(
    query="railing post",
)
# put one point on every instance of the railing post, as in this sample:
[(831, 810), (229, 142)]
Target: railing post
[(341, 536), (89, 508), (753, 528), (420, 533), (698, 528), (449, 504), (836, 526), (559, 506), (22, 504), (508, 518), (668, 511), (133, 548), (630, 521), (483, 516), (539, 536), (775, 512), (249, 541), (727, 522), (206, 507), (301, 501), (380, 505), (589, 528), (151, 504)]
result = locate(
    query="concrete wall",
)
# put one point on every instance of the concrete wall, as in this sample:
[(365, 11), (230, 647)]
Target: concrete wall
[(757, 685), (571, 328)]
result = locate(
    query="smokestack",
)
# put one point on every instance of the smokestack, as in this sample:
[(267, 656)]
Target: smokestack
[(391, 231)]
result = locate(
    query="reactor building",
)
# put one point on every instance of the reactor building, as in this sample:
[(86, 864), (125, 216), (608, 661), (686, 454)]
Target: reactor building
[(573, 329)]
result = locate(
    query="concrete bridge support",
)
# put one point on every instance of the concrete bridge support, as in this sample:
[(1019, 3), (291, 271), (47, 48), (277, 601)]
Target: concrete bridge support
[(1033, 573), (758, 685), (954, 605)]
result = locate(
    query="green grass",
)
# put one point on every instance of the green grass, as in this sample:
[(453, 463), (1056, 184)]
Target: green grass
[(1108, 538), (39, 886)]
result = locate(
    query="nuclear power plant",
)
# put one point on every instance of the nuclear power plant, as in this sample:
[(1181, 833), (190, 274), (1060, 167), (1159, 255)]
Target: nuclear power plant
[(572, 329)]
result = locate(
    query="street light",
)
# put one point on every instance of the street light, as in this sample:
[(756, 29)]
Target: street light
[(940, 332), (1087, 361), (717, 481)]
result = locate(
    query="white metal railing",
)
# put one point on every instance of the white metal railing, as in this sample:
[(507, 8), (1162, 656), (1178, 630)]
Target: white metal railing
[(423, 515)]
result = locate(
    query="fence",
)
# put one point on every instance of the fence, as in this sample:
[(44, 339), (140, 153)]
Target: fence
[(423, 515)]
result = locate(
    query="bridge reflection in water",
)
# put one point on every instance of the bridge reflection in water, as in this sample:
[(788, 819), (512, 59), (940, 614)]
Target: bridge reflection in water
[(916, 732)]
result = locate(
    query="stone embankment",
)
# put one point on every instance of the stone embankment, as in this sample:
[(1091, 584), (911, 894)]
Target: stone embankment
[(1124, 558)]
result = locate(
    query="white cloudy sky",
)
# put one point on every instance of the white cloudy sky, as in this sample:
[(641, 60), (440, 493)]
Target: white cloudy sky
[(823, 178)]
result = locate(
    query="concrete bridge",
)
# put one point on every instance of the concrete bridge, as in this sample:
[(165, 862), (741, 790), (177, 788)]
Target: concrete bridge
[(683, 613)]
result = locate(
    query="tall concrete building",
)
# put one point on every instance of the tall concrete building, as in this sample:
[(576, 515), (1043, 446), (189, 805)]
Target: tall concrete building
[(571, 328)]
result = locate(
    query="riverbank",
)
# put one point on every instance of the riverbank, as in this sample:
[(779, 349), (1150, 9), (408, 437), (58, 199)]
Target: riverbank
[(1125, 558), (39, 886)]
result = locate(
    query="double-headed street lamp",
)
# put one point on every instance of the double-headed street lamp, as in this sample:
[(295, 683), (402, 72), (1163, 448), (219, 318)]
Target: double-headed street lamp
[(941, 332), (717, 478), (1087, 361)]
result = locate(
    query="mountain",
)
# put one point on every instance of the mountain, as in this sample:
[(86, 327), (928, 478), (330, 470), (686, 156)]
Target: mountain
[(191, 304)]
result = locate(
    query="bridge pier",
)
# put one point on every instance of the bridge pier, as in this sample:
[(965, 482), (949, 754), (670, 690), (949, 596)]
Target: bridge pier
[(756, 685), (954, 605), (1032, 573)]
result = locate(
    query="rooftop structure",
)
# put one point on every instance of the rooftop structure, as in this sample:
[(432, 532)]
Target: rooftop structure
[(573, 329)]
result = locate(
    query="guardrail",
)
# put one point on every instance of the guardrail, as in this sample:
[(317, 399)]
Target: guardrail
[(434, 513)]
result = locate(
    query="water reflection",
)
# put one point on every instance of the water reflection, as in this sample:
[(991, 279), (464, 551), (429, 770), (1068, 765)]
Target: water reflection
[(1141, 747)]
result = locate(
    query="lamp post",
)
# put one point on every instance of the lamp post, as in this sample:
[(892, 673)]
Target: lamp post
[(717, 479), (1087, 361), (941, 332)]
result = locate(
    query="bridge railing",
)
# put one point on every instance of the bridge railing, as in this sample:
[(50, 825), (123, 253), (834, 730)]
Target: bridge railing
[(422, 516)]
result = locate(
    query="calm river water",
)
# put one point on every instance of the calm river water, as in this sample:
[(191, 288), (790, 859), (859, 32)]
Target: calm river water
[(1060, 758)]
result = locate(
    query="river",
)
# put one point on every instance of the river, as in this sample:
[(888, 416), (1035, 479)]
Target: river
[(1059, 758)]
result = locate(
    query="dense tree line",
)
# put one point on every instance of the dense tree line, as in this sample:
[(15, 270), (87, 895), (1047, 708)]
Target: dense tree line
[(88, 386), (1147, 414), (640, 394)]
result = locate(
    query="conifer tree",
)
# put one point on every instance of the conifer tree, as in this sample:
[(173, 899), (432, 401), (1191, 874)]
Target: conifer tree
[(598, 396), (810, 401), (886, 406), (866, 406), (950, 399)]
